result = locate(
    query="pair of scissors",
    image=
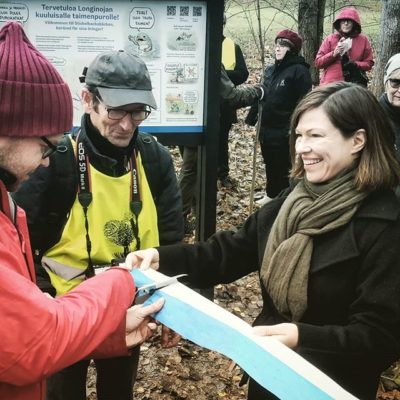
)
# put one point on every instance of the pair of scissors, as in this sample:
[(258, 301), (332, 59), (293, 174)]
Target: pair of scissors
[(145, 291)]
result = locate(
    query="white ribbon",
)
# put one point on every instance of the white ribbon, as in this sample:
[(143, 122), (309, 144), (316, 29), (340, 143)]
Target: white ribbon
[(273, 365)]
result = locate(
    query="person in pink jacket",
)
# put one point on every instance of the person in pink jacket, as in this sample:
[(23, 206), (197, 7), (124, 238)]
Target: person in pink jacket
[(40, 335), (346, 54)]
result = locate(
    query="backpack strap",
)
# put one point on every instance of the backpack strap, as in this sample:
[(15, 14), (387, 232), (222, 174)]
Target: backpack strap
[(150, 155), (60, 194)]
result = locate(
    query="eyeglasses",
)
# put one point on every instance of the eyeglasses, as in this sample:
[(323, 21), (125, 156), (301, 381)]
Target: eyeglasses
[(346, 21), (51, 147), (394, 83), (117, 113)]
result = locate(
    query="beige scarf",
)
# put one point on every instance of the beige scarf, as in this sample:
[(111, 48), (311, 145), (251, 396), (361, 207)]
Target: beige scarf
[(310, 210)]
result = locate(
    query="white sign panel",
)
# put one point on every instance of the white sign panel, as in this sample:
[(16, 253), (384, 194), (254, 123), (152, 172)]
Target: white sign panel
[(168, 35)]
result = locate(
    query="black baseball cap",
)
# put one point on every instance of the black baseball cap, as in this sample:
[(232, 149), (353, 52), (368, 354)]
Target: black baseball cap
[(121, 78)]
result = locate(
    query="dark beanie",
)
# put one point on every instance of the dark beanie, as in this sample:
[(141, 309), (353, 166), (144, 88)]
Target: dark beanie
[(293, 37), (34, 99)]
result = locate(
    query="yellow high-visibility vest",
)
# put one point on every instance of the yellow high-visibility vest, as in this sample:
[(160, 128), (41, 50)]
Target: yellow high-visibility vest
[(110, 230), (228, 54)]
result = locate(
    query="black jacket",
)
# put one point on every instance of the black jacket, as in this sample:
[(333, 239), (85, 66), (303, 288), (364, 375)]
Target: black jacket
[(394, 115), (49, 194), (285, 83), (351, 329), (237, 76)]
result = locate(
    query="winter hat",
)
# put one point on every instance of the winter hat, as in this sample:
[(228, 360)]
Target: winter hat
[(293, 37), (34, 99), (121, 78), (391, 66)]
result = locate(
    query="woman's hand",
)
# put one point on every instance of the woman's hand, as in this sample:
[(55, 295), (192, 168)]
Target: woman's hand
[(339, 47), (143, 259), (286, 333)]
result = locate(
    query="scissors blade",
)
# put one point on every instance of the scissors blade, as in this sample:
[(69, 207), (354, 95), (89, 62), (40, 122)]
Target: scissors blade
[(145, 291), (169, 281), (151, 287)]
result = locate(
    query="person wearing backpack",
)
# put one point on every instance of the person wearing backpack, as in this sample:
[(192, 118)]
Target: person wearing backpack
[(109, 190)]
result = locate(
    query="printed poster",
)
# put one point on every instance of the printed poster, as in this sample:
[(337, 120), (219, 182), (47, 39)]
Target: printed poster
[(170, 36)]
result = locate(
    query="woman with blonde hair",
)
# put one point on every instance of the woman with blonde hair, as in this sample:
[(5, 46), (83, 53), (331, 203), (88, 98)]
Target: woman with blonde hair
[(329, 271)]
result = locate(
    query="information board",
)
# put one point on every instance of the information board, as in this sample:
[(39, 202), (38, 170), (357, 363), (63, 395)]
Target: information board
[(170, 36)]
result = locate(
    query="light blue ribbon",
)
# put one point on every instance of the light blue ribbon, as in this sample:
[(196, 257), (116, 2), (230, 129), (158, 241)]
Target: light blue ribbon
[(202, 328)]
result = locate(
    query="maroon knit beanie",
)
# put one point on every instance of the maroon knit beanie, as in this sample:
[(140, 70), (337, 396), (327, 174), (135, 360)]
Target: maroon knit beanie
[(34, 99), (293, 37)]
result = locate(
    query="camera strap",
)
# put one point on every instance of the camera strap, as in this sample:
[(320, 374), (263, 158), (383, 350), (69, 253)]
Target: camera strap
[(85, 197)]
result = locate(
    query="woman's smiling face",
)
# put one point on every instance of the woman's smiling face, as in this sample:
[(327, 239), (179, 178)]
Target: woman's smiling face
[(324, 150)]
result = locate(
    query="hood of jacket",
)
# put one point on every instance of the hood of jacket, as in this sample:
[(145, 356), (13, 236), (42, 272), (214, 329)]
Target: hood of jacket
[(349, 13)]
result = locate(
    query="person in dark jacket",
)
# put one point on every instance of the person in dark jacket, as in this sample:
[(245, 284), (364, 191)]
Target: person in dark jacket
[(115, 200), (236, 70), (390, 100), (328, 269), (285, 82), (233, 97)]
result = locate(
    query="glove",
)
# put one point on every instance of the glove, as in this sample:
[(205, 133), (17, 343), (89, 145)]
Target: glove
[(350, 66), (252, 116)]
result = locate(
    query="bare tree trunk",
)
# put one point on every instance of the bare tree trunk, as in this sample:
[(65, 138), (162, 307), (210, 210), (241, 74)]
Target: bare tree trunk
[(261, 36), (388, 44), (311, 29)]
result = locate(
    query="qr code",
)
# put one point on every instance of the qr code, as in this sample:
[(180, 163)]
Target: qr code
[(197, 11), (171, 10), (184, 11)]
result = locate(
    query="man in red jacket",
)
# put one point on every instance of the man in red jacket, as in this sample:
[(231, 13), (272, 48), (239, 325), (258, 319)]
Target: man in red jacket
[(40, 335)]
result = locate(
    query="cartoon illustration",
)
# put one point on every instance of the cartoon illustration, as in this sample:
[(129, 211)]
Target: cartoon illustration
[(184, 36), (180, 104), (188, 73), (182, 41), (142, 41), (191, 71), (142, 45), (189, 109)]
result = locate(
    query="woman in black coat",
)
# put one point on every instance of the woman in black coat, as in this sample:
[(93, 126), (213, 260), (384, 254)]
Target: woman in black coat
[(329, 271), (285, 83)]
